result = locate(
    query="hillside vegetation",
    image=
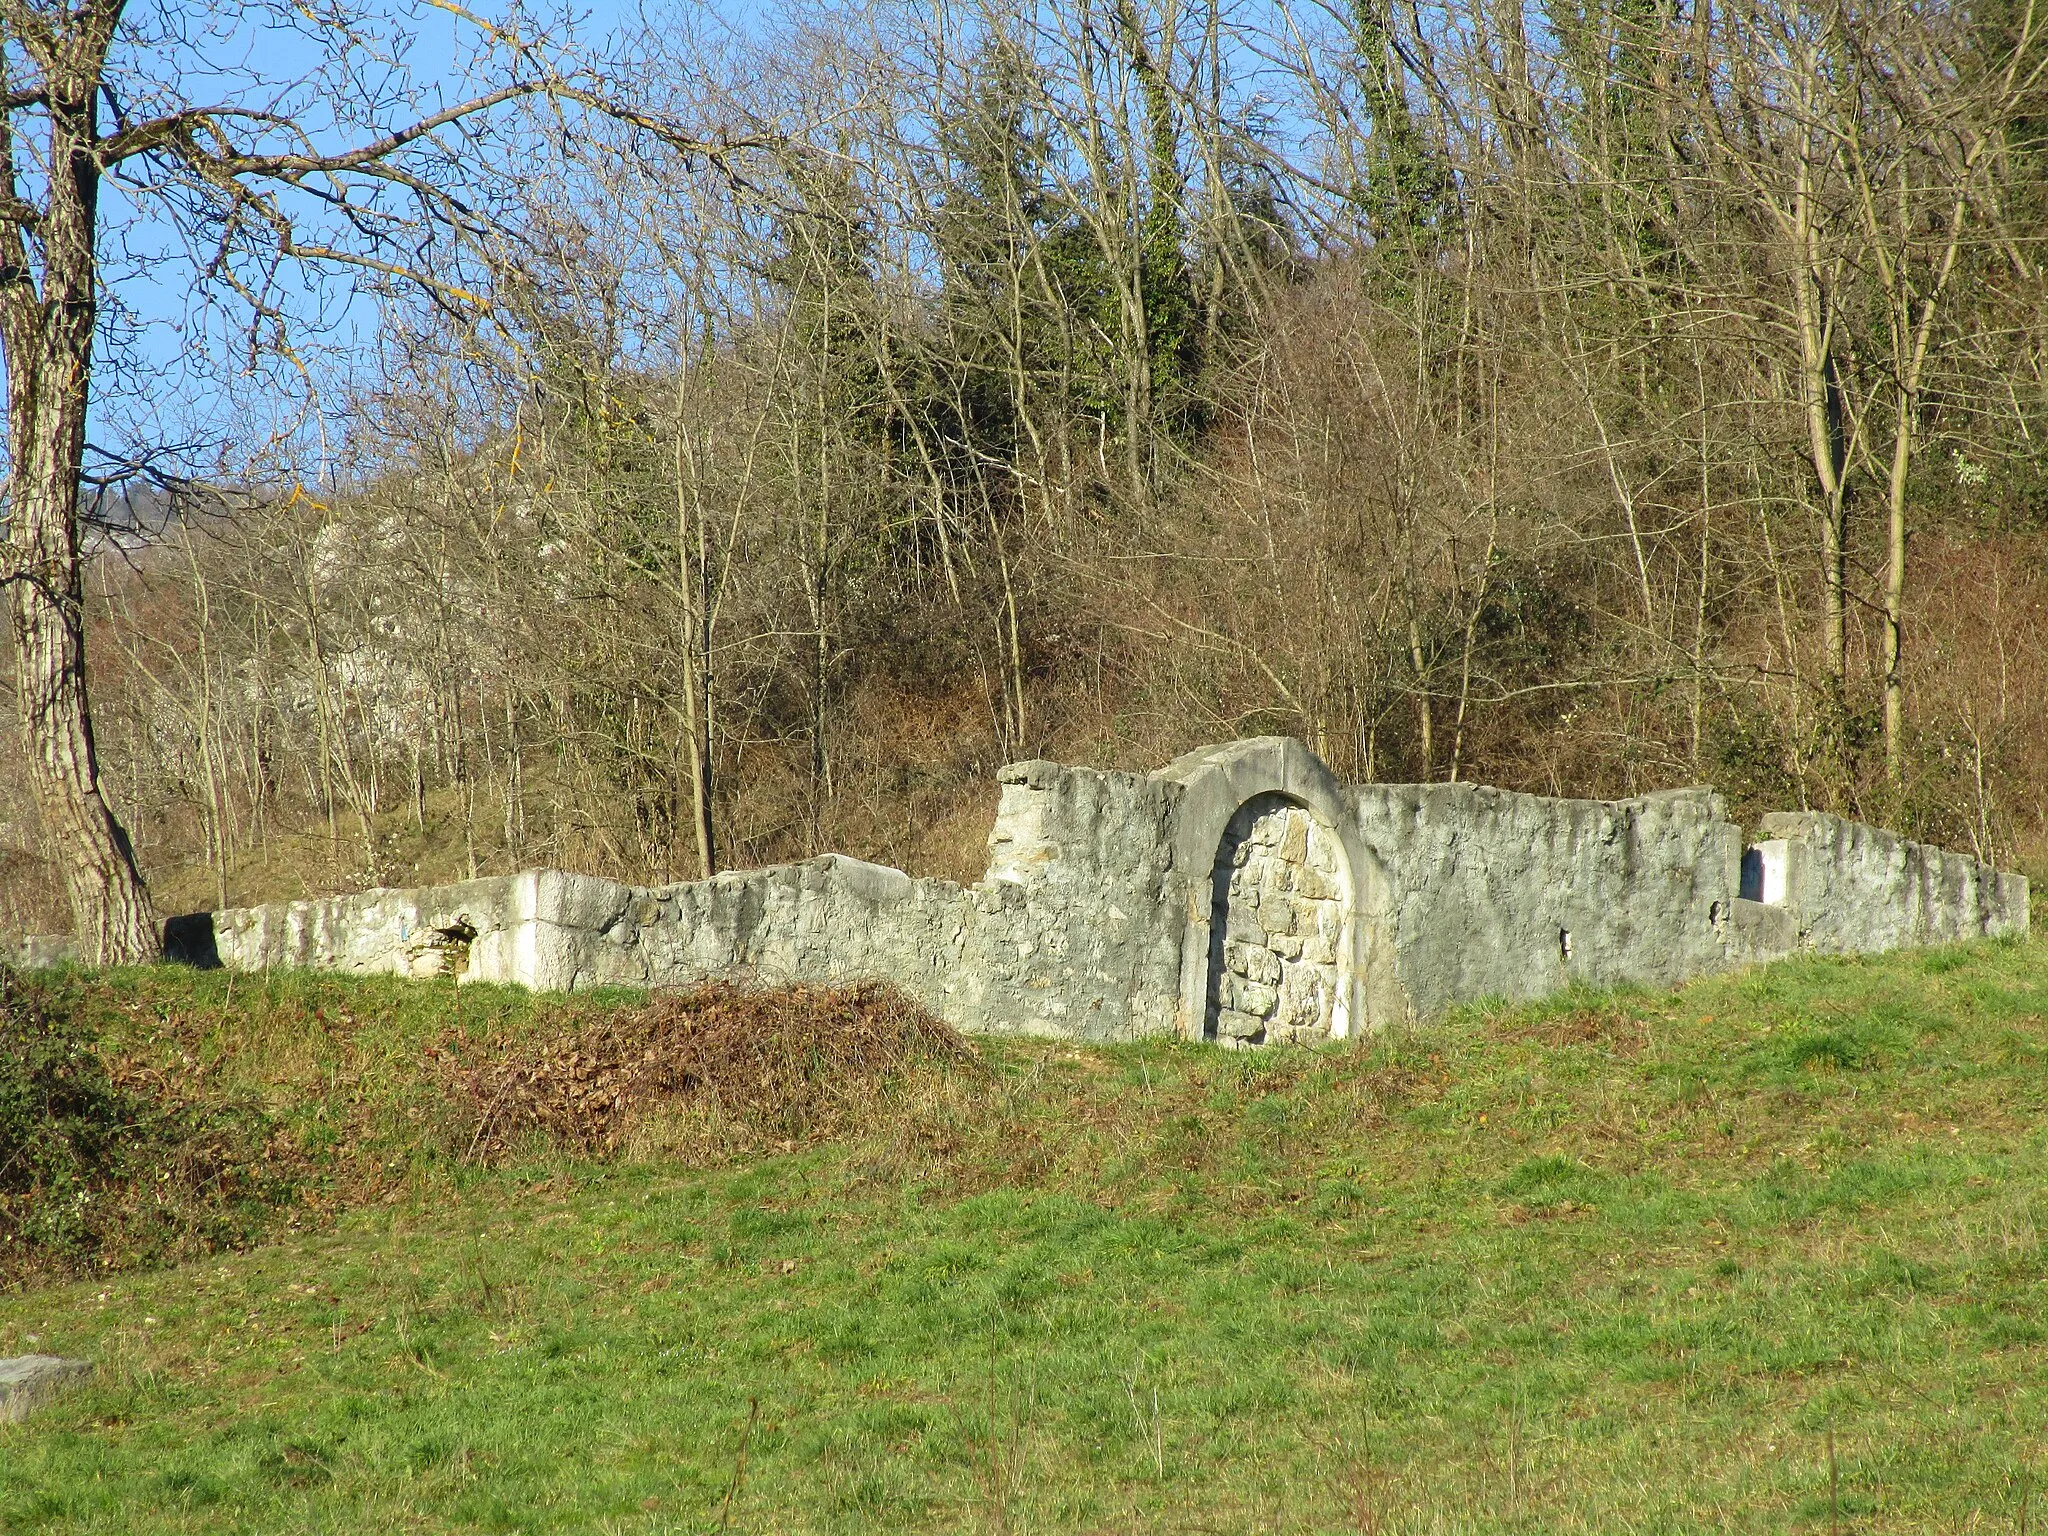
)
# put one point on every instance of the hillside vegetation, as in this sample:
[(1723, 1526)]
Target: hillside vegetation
[(1762, 1254), (1588, 399)]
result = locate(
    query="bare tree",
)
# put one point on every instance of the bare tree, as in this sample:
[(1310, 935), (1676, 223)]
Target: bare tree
[(1545, 395), (90, 93)]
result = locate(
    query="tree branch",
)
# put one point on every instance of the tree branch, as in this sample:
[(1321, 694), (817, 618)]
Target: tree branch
[(175, 131)]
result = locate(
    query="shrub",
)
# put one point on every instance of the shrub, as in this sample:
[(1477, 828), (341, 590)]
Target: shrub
[(102, 1165)]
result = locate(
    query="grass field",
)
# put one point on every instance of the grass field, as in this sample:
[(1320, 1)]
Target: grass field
[(1762, 1255)]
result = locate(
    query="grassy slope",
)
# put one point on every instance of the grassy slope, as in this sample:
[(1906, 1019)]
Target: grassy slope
[(1611, 1264)]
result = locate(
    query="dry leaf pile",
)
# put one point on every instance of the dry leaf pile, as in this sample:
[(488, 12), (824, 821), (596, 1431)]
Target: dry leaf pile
[(788, 1062)]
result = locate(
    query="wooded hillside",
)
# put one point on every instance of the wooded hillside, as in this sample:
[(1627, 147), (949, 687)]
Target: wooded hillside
[(1582, 398)]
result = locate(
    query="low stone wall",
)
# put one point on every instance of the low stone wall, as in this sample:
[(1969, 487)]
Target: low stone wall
[(1069, 934), (39, 950), (1854, 889), (1504, 895), (1242, 894)]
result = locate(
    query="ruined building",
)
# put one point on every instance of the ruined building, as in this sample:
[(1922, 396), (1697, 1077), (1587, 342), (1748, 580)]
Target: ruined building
[(1242, 894)]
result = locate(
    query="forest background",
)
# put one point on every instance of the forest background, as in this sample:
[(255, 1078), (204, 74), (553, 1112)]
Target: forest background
[(1581, 396)]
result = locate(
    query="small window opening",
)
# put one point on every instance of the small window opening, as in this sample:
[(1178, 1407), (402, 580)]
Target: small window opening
[(443, 951), (1766, 874)]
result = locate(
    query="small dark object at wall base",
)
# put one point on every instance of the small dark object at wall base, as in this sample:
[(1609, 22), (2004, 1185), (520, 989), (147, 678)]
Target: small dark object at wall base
[(188, 940)]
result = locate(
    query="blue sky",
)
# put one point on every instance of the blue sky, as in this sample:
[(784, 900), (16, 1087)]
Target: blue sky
[(171, 370)]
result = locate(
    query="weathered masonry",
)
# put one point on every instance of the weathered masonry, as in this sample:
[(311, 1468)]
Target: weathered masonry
[(1242, 894)]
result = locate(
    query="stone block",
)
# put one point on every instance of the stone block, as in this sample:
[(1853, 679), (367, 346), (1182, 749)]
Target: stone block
[(1301, 997), (1025, 838), (1315, 885), (1232, 1025), (1254, 962), (1759, 932), (1288, 946), (1251, 997), (1243, 926), (1294, 838), (41, 951), (28, 1380)]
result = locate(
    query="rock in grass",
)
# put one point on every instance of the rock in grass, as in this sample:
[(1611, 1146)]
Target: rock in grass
[(25, 1380)]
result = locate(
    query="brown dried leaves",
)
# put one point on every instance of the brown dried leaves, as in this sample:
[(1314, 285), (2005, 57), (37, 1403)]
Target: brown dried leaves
[(787, 1063)]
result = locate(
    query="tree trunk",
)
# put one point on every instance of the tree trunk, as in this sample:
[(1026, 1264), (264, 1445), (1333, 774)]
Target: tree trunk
[(116, 923), (1912, 332), (694, 586), (1821, 390), (1895, 597), (48, 339), (1815, 266)]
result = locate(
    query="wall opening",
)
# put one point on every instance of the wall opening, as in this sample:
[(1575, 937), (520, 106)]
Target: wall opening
[(442, 951), (1766, 871), (1279, 909)]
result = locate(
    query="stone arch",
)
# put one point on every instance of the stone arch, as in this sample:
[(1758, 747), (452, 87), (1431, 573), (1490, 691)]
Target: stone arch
[(1258, 793)]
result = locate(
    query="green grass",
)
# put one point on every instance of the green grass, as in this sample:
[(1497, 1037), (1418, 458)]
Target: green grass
[(1616, 1263)]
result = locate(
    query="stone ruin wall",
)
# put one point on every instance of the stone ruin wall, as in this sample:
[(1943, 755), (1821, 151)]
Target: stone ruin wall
[(1513, 896), (1242, 895), (1066, 935)]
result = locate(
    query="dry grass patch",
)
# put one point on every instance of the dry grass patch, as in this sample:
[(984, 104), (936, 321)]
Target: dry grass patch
[(1610, 1028)]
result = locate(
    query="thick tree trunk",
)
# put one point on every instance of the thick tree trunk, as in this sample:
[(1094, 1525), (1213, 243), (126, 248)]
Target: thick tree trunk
[(116, 923), (47, 332)]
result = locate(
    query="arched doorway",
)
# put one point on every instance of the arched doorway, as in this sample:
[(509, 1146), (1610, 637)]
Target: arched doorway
[(1267, 850), (1278, 918)]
